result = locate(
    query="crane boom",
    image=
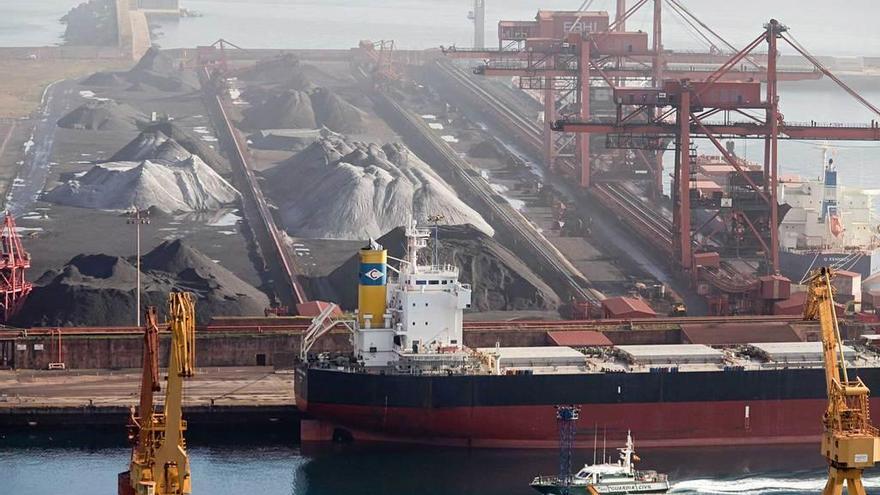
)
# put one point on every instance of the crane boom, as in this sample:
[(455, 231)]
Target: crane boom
[(850, 443), (159, 462)]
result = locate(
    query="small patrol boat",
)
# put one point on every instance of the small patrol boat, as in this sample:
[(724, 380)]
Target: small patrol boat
[(621, 477)]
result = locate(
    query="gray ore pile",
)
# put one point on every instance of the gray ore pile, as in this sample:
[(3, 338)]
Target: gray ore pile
[(499, 279), (153, 171), (98, 290), (336, 189), (157, 138), (298, 109), (103, 115)]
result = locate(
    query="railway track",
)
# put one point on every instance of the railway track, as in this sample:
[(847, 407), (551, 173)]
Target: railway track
[(272, 245), (650, 224), (512, 220)]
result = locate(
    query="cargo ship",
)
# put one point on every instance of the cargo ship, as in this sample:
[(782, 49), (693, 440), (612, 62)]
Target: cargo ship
[(828, 225), (823, 222), (411, 379)]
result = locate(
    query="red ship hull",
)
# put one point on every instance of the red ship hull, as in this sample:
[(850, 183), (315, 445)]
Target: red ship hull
[(655, 425), (732, 407)]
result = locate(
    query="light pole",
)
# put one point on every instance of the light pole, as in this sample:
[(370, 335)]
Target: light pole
[(137, 218)]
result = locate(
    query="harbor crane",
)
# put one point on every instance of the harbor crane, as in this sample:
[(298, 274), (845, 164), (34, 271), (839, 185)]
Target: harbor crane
[(850, 443), (159, 461)]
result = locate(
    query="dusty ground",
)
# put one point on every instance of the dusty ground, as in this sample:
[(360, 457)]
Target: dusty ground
[(25, 80), (218, 386)]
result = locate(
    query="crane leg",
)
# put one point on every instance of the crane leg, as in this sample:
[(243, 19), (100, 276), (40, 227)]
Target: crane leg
[(854, 486), (838, 477)]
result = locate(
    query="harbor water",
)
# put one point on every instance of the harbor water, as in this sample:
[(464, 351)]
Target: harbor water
[(86, 464)]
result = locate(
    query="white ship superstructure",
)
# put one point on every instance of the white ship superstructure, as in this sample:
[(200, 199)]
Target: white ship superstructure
[(828, 225), (414, 321)]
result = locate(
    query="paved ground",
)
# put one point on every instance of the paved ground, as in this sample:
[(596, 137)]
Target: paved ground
[(224, 386)]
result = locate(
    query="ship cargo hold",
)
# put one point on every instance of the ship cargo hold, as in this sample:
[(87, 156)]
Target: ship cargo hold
[(673, 395)]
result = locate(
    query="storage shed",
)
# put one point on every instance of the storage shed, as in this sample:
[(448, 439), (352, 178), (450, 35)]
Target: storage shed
[(626, 308), (671, 354), (523, 357), (578, 338), (795, 352)]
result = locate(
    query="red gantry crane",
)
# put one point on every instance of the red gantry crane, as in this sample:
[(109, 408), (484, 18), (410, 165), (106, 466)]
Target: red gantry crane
[(14, 262), (744, 221), (565, 54)]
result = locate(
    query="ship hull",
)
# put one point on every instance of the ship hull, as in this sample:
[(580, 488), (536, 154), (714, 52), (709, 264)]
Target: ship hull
[(662, 409), (639, 489), (797, 265)]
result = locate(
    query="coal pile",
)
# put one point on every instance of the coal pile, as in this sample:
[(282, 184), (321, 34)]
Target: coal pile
[(105, 79), (295, 109), (103, 115), (99, 290), (485, 149), (155, 70), (284, 71), (158, 70), (336, 189), (187, 185), (287, 139), (334, 113), (91, 23), (287, 110), (500, 280), (153, 144)]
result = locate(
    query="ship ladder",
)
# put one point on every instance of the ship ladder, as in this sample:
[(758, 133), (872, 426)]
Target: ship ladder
[(320, 326)]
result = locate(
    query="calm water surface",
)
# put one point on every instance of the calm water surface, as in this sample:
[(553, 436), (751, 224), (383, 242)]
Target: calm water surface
[(87, 464)]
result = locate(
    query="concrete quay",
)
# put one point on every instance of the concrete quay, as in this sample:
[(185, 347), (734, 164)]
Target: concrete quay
[(214, 396)]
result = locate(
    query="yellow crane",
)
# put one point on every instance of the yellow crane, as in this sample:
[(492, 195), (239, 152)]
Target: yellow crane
[(159, 462), (850, 443)]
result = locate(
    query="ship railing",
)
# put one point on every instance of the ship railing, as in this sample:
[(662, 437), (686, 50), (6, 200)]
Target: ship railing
[(650, 477), (547, 480)]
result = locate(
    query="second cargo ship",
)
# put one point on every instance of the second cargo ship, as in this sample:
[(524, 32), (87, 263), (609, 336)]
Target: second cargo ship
[(411, 379)]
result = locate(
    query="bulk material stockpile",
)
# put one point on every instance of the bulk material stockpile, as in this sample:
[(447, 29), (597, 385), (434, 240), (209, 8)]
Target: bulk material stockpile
[(155, 171), (163, 140), (155, 70), (103, 115), (99, 289), (183, 186), (500, 280), (339, 190), (295, 109)]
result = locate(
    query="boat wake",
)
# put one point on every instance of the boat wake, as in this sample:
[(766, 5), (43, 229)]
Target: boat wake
[(788, 485)]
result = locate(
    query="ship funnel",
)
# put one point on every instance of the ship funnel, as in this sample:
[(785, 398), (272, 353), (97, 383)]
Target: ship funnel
[(372, 286)]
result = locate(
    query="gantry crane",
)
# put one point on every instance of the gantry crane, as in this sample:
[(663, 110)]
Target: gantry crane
[(159, 462), (850, 443), (687, 110)]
